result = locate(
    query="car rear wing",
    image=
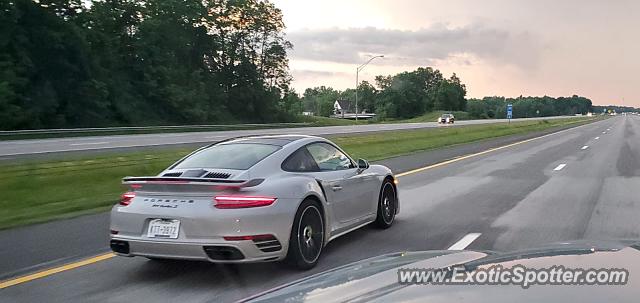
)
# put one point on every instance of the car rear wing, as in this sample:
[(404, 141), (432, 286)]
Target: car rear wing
[(163, 184)]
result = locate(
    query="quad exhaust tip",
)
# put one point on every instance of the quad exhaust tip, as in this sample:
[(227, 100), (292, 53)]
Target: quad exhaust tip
[(120, 247)]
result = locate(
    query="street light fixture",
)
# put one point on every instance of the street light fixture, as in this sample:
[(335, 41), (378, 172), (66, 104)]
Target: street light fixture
[(357, 82)]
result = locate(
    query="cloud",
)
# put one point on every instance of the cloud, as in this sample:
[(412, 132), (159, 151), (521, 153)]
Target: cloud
[(318, 73), (311, 77), (420, 47)]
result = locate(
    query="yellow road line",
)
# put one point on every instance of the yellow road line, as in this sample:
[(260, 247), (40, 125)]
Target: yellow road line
[(55, 270), (417, 170)]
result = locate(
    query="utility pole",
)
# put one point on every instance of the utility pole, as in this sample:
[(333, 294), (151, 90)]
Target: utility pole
[(357, 82)]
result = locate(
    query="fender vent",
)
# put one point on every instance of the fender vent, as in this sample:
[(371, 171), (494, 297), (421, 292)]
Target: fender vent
[(217, 175), (269, 244)]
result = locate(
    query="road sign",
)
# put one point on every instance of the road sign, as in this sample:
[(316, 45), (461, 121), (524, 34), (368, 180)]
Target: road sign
[(509, 111)]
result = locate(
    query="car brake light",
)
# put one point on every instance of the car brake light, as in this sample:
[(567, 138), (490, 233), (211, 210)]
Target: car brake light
[(225, 202), (244, 238), (126, 198)]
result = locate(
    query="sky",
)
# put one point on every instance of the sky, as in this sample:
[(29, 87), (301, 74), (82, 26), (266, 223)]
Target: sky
[(497, 47)]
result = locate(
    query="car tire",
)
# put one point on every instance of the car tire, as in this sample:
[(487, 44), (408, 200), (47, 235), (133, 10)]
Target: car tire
[(387, 205), (307, 236)]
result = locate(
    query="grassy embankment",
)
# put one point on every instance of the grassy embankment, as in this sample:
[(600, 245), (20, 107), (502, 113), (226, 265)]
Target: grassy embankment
[(432, 116), (39, 191)]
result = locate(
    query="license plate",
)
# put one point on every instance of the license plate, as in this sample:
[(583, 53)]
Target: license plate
[(162, 228)]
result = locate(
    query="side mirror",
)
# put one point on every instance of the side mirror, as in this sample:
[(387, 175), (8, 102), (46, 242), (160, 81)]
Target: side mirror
[(362, 164)]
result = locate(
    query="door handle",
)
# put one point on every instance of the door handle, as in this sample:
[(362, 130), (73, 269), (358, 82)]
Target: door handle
[(336, 187)]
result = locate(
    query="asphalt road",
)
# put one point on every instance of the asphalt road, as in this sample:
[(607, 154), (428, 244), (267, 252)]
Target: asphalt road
[(19, 148), (580, 183)]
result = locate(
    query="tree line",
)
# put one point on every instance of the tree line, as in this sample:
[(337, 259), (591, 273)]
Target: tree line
[(599, 109), (526, 107), (404, 95), (411, 94), (73, 63), (79, 63)]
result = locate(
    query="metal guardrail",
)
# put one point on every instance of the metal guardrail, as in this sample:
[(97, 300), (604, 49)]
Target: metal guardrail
[(62, 131), (144, 128)]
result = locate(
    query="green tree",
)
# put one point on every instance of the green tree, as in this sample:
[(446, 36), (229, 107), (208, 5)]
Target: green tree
[(407, 94), (132, 62), (450, 95), (367, 94), (49, 81), (523, 107), (320, 100)]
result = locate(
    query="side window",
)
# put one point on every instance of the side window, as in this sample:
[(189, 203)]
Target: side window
[(328, 157), (300, 161)]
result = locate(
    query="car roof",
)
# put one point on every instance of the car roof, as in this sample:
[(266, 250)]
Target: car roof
[(279, 140)]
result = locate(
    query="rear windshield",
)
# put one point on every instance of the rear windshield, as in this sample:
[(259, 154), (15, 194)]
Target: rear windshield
[(228, 156)]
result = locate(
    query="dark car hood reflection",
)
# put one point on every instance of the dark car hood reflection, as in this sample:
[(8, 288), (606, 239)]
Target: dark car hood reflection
[(375, 279)]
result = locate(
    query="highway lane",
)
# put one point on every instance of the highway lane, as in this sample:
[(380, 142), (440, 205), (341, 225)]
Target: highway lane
[(37, 247), (18, 148), (514, 197)]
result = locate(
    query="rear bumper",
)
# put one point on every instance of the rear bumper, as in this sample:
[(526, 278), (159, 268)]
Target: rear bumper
[(213, 251), (203, 229)]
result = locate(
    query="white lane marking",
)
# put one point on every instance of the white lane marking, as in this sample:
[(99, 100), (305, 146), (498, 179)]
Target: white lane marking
[(604, 132), (585, 147), (465, 241), (88, 143), (439, 164), (561, 166), (597, 138)]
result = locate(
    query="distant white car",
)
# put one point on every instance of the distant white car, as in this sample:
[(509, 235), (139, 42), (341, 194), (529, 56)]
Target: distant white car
[(446, 119)]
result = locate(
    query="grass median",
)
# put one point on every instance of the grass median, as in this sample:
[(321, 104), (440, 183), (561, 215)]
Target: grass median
[(39, 191)]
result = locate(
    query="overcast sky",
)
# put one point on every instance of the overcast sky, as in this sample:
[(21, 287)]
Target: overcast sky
[(497, 47)]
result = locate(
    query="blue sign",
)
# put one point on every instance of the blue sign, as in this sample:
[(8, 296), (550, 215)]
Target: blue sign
[(509, 111)]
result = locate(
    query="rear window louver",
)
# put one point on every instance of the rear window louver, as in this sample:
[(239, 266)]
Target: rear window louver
[(178, 174), (217, 175)]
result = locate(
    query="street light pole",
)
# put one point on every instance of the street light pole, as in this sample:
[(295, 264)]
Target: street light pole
[(357, 70), (357, 82)]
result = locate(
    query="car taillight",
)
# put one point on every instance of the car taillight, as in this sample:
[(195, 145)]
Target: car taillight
[(253, 237), (225, 202), (126, 198)]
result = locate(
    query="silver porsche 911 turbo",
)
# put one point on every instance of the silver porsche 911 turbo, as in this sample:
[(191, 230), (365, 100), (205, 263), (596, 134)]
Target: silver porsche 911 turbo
[(253, 199)]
